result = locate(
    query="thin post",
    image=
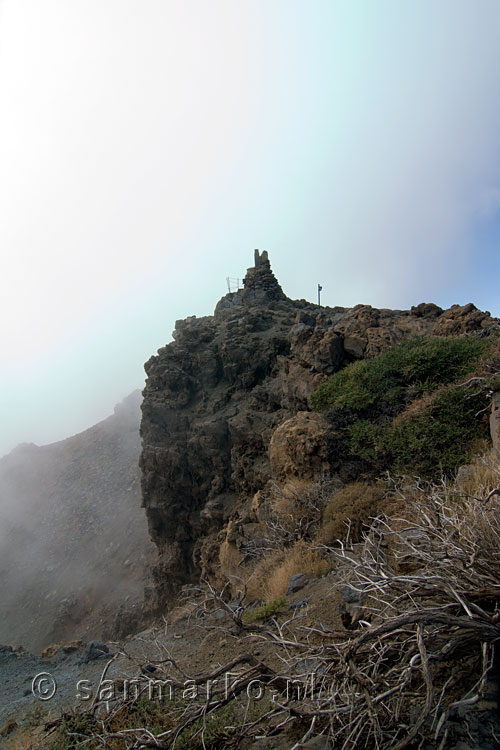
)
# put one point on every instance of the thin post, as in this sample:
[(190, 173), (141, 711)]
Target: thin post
[(319, 294)]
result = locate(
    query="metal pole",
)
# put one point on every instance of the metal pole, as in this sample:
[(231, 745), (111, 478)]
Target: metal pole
[(319, 294)]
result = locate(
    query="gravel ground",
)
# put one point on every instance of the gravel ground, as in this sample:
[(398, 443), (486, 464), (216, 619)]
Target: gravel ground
[(23, 677), (198, 650)]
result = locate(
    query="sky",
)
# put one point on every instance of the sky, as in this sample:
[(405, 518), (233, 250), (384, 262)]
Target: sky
[(148, 146)]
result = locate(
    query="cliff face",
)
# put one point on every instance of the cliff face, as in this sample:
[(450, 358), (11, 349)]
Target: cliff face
[(226, 407)]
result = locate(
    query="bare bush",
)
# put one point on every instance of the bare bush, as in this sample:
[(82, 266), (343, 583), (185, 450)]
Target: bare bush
[(296, 510), (294, 514), (428, 582)]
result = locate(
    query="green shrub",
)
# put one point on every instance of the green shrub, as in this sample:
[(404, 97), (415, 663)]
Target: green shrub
[(407, 370), (439, 438), (74, 730), (365, 439), (405, 409), (267, 611)]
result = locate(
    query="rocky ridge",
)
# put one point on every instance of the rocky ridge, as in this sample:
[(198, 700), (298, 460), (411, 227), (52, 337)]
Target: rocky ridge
[(226, 410)]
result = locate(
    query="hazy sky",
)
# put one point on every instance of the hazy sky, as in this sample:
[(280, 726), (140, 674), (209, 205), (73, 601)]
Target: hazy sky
[(147, 146)]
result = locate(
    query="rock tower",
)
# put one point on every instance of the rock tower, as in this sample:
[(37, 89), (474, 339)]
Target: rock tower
[(260, 286)]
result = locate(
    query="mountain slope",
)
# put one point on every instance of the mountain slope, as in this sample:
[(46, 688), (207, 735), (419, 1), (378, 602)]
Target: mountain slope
[(74, 545)]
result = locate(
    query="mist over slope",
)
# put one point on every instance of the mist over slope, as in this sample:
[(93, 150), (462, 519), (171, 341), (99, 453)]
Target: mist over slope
[(74, 544)]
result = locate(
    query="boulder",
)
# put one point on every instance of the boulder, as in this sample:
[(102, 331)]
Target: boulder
[(298, 447), (297, 582), (94, 650)]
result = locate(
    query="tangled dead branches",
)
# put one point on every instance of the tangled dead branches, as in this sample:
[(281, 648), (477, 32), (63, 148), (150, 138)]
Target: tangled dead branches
[(295, 514), (428, 583)]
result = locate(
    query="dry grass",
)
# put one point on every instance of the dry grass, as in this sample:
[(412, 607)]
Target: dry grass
[(422, 647), (24, 739), (420, 652), (286, 500), (229, 557), (272, 575), (297, 509), (349, 510), (306, 515), (478, 479)]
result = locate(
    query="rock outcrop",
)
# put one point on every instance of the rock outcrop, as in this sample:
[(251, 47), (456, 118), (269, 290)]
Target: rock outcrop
[(226, 406)]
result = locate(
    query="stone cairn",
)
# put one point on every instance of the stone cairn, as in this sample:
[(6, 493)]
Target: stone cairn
[(260, 284)]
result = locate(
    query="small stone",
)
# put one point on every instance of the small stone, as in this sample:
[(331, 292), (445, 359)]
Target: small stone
[(297, 582), (6, 653), (354, 346), (317, 743), (298, 605), (350, 595), (94, 650), (72, 646), (219, 614)]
